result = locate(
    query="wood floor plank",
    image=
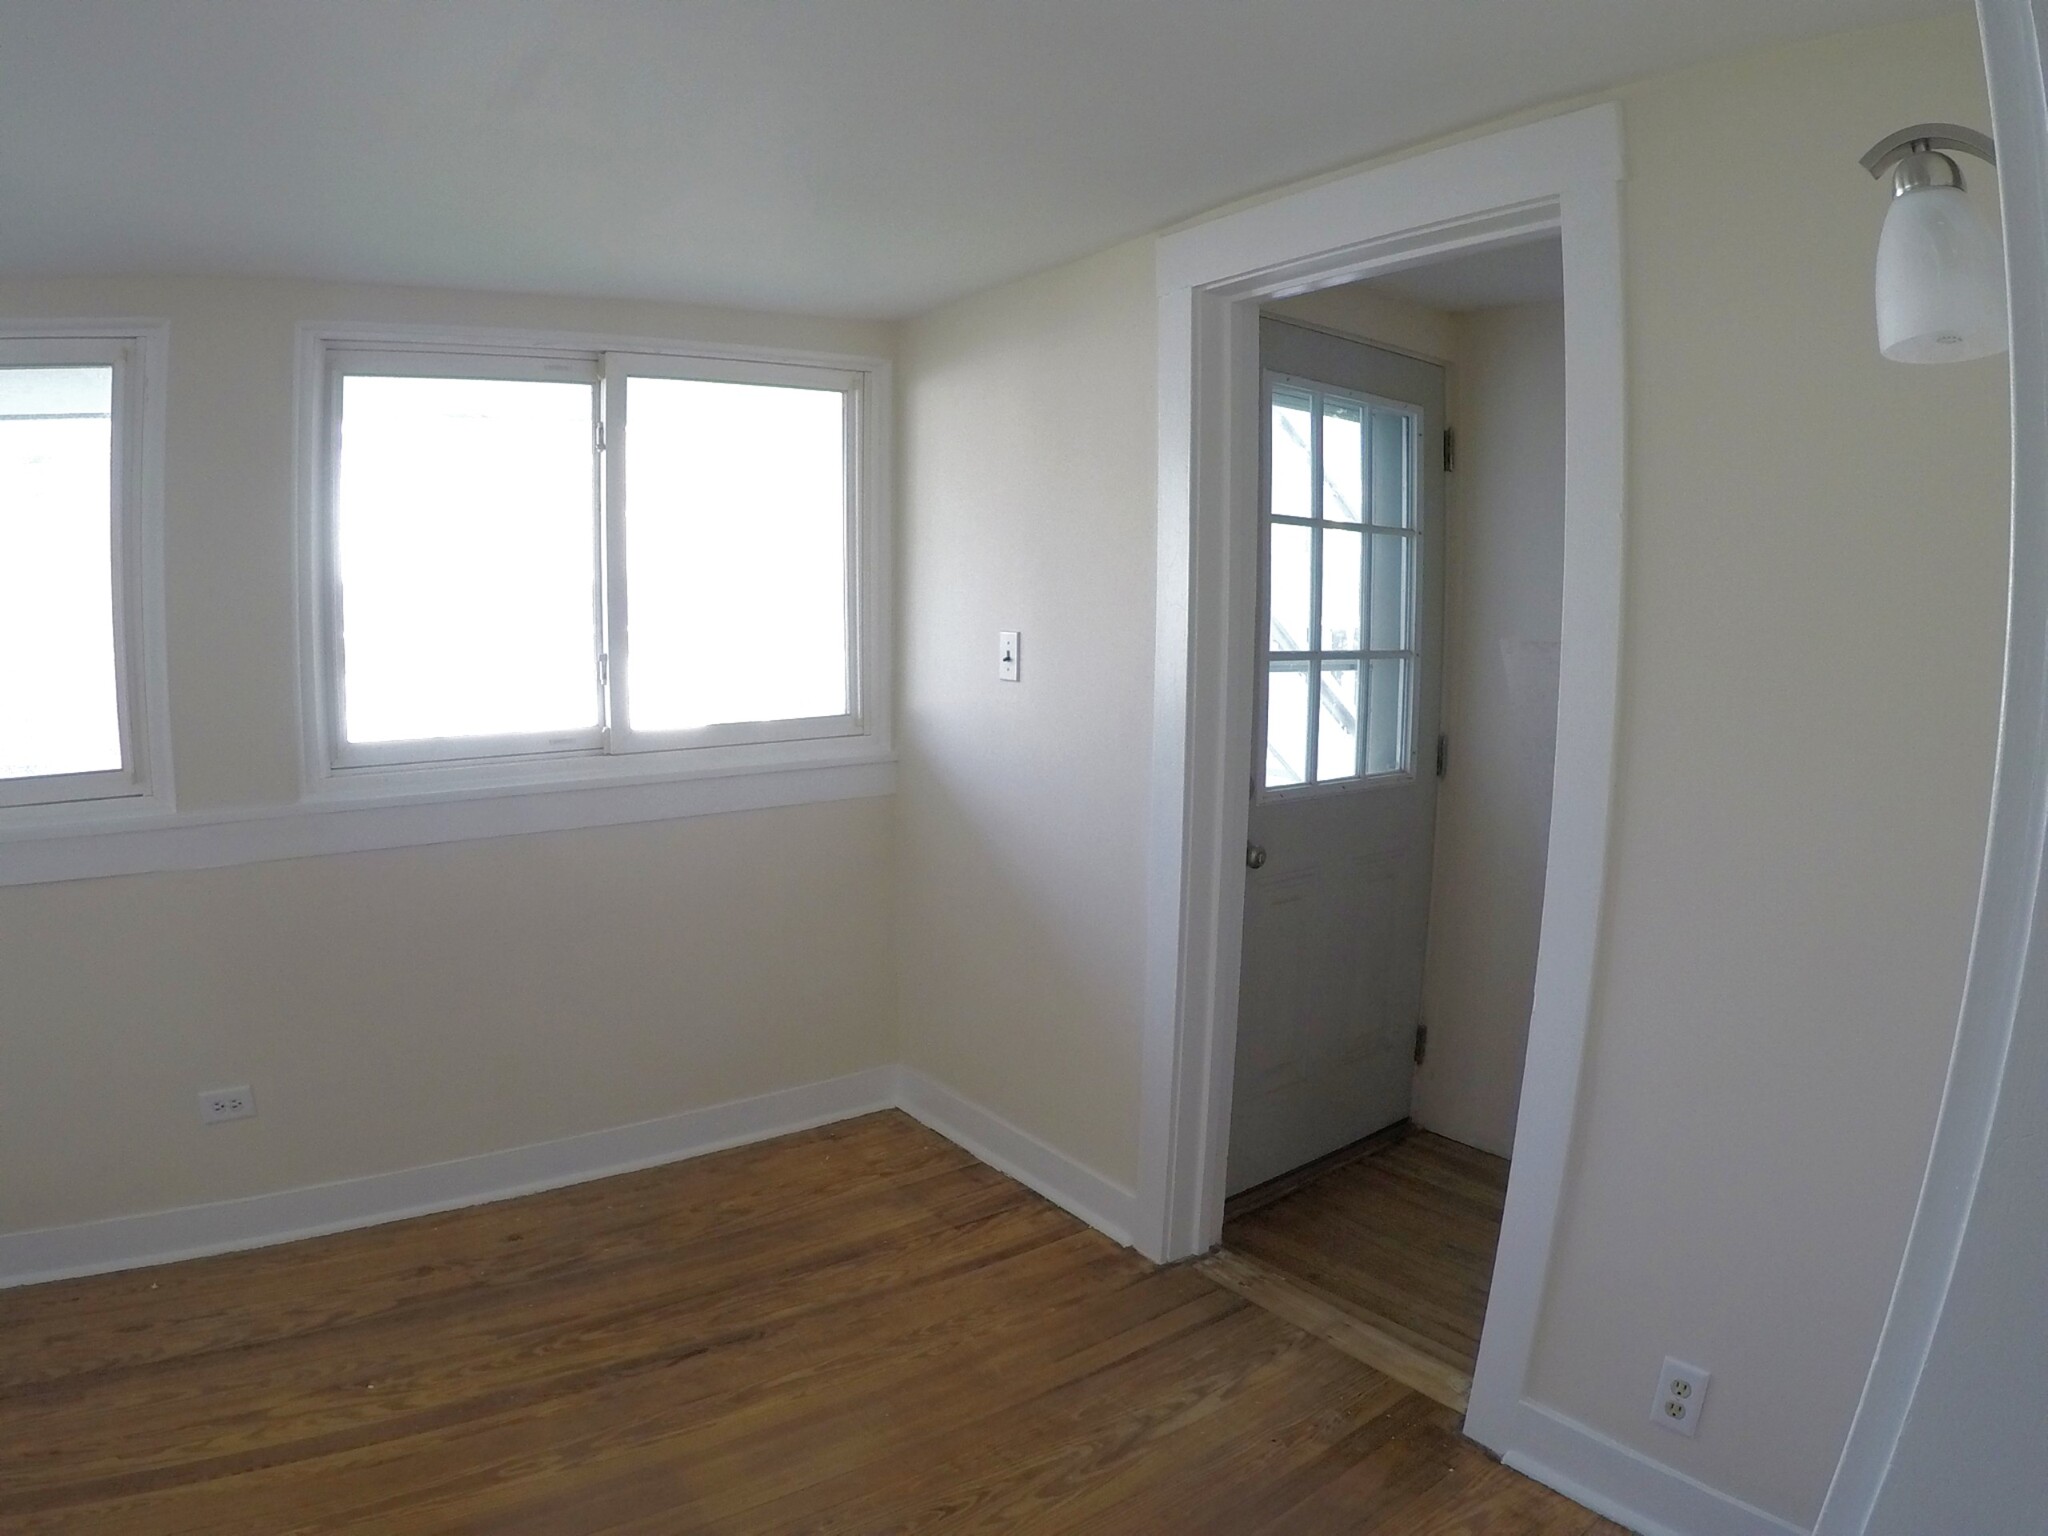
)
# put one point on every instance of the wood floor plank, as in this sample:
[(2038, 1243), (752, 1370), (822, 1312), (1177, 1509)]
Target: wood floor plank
[(856, 1329), (174, 1311), (1402, 1238)]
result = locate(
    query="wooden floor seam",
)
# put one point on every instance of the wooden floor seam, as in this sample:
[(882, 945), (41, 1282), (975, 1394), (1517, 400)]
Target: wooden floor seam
[(1384, 1248), (1316, 1311)]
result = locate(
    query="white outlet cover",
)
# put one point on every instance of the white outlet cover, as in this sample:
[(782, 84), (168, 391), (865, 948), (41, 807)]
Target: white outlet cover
[(217, 1104), (1681, 1397)]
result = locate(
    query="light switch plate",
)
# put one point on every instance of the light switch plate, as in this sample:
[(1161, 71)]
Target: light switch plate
[(1006, 655)]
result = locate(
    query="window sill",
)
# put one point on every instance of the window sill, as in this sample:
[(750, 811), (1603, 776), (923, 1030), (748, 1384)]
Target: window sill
[(85, 817), (471, 778), (401, 811)]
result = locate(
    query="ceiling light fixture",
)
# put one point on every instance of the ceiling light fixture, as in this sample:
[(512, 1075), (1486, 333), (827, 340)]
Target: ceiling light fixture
[(1940, 275)]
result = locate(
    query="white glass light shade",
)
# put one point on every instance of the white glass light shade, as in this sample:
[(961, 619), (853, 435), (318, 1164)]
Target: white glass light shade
[(1940, 281)]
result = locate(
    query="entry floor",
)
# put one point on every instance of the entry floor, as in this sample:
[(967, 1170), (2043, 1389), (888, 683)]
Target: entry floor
[(1396, 1235), (857, 1329)]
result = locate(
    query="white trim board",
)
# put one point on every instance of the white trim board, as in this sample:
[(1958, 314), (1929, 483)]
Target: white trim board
[(1080, 1191), (142, 647), (139, 845), (1626, 1486), (258, 1221), (225, 1226)]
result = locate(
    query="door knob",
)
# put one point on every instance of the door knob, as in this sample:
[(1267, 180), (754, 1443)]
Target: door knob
[(1254, 856)]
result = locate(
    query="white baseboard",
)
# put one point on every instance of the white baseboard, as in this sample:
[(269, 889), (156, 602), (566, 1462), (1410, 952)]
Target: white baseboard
[(1579, 1462), (1626, 1486), (1079, 1190), (224, 1226), (190, 1232)]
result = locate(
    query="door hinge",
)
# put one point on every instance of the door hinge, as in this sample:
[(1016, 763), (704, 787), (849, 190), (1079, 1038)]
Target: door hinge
[(1421, 1043), (1450, 449), (1443, 755)]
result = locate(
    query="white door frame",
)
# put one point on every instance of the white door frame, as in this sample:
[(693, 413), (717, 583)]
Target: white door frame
[(1997, 1083), (1560, 174)]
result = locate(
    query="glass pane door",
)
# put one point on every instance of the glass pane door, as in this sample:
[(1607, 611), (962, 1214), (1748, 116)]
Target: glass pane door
[(1342, 546)]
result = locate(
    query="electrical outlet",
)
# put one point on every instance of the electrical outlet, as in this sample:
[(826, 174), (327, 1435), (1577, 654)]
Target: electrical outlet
[(1681, 1397), (227, 1104)]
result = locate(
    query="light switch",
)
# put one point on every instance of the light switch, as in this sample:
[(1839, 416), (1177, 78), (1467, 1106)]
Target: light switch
[(1006, 655)]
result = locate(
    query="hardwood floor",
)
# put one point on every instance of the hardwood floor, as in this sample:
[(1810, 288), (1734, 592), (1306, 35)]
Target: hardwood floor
[(1398, 1237), (856, 1329)]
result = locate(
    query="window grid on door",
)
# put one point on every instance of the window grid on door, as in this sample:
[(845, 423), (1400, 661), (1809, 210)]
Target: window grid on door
[(1342, 549)]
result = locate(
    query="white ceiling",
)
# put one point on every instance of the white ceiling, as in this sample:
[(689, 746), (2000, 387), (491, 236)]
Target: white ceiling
[(868, 157), (1522, 273)]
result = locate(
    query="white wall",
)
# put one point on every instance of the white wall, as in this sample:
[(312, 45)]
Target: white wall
[(1811, 662), (1505, 581), (1815, 572), (400, 1007), (1809, 693), (1028, 429), (1970, 1452), (1358, 309)]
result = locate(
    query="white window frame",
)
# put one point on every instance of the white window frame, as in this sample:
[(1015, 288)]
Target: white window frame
[(335, 769), (137, 351), (409, 362), (619, 366), (1272, 381)]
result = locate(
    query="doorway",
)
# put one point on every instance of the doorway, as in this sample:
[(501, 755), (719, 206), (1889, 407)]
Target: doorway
[(1393, 889), (1346, 673), (1560, 175)]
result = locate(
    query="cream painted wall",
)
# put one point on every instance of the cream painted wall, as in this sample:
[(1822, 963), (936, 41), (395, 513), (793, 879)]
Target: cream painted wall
[(1815, 569), (1358, 310), (398, 1008), (1812, 648), (395, 1008), (1504, 588), (1815, 574), (1028, 433)]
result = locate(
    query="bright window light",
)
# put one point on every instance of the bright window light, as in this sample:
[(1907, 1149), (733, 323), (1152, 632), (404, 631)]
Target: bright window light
[(480, 595), (735, 553), (467, 556), (59, 690), (1341, 549)]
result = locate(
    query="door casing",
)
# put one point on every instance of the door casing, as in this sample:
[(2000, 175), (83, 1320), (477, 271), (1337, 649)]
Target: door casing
[(1560, 175)]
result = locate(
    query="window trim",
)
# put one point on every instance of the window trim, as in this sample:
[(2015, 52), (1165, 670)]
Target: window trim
[(863, 737), (346, 755), (142, 787), (618, 368), (1272, 380)]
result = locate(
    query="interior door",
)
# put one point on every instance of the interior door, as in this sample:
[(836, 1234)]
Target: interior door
[(1344, 774)]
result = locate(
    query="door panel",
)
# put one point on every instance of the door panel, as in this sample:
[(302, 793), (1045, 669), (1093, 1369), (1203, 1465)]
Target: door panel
[(1343, 784)]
